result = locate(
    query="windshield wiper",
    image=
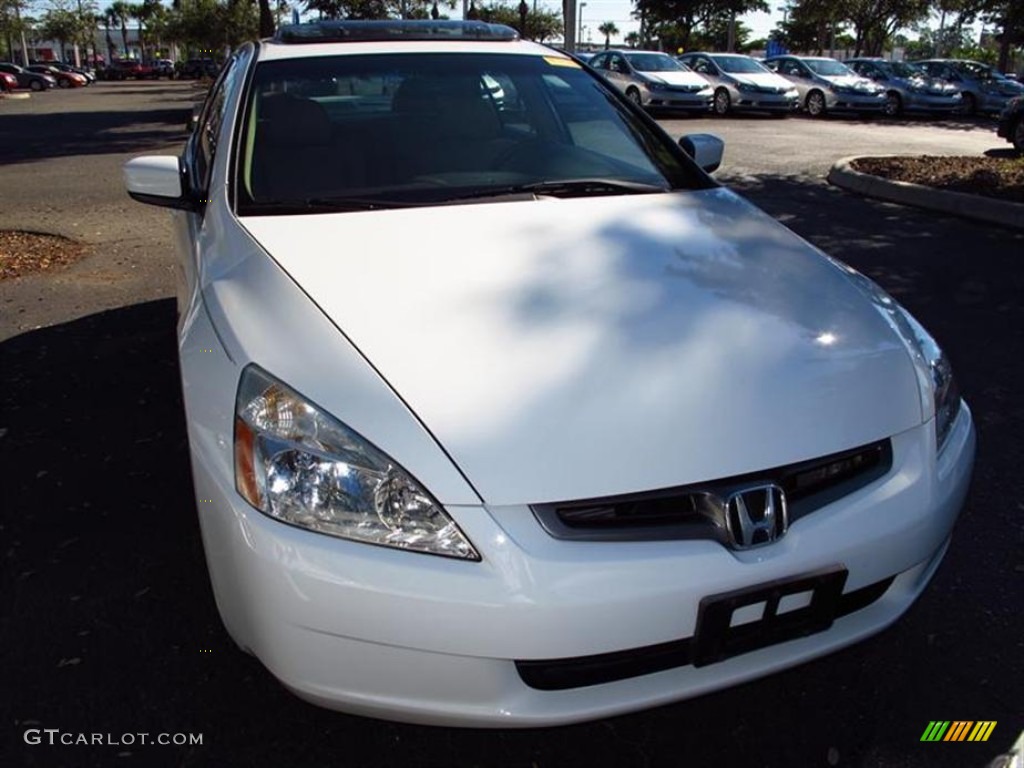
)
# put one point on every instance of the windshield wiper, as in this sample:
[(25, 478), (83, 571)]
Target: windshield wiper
[(567, 188), (321, 205)]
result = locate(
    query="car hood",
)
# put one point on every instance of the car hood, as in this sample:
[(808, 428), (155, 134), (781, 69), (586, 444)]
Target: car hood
[(852, 81), (1009, 87), (763, 80), (676, 77), (565, 349)]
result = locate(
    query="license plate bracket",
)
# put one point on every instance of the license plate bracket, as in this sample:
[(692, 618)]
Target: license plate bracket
[(719, 637)]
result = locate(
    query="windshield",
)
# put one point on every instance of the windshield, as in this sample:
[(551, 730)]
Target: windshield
[(828, 67), (653, 62), (972, 69), (739, 65), (905, 70), (387, 130)]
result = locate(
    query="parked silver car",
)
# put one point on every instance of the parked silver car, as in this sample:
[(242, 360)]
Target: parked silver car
[(654, 80), (982, 87), (743, 84), (908, 88), (826, 85)]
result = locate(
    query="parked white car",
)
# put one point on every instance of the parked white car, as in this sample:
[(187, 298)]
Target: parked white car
[(503, 413), (654, 80), (826, 85), (743, 84)]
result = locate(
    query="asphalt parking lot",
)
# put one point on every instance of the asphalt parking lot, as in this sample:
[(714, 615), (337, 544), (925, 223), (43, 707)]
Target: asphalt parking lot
[(107, 622)]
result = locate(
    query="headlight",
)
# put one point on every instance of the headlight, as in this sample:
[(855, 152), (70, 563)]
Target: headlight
[(841, 88), (655, 85), (746, 87), (940, 396), (299, 465)]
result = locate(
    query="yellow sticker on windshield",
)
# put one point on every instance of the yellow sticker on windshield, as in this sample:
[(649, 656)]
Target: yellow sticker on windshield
[(558, 61)]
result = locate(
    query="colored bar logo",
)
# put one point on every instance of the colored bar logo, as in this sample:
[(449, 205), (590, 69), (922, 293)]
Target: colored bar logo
[(958, 730)]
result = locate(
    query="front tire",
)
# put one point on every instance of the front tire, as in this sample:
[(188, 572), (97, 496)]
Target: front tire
[(633, 95), (63, 84), (1017, 135), (970, 104), (815, 104), (722, 103), (893, 104), (36, 85)]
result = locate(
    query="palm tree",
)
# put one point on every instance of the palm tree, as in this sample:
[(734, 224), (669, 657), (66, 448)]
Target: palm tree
[(633, 39), (608, 29), (109, 18), (121, 12)]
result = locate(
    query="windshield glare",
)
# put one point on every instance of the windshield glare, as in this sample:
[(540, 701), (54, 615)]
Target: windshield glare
[(739, 65), (420, 129), (903, 69), (828, 67), (653, 62)]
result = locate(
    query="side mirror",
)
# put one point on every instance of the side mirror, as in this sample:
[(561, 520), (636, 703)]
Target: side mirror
[(156, 180), (706, 150)]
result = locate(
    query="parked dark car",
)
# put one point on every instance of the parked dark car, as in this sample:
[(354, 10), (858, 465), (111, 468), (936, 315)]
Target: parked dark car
[(64, 79), (196, 68), (1011, 123), (26, 79), (125, 70)]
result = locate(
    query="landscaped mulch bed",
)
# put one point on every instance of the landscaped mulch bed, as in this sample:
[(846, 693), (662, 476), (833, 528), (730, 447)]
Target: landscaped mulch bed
[(1001, 178), (22, 253)]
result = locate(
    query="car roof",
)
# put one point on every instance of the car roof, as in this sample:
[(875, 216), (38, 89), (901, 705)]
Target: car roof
[(333, 38)]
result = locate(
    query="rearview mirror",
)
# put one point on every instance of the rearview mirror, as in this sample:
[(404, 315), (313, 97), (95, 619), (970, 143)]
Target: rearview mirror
[(706, 150), (156, 180)]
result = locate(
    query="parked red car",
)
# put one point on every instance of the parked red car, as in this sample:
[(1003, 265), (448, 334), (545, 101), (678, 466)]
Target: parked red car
[(123, 70), (7, 82), (64, 79)]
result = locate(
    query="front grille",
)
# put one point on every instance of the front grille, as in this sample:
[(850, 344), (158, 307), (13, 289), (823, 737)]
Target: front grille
[(687, 512), (582, 671)]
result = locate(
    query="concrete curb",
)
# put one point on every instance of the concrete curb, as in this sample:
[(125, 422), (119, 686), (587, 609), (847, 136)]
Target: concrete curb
[(957, 203)]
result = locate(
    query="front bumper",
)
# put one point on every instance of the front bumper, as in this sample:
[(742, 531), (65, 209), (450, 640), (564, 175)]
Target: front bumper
[(425, 639), (763, 102), (682, 100)]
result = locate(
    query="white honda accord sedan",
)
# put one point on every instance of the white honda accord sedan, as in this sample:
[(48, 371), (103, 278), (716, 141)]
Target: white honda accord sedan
[(503, 413)]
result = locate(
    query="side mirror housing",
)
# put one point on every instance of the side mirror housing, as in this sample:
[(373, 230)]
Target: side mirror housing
[(157, 180), (706, 149)]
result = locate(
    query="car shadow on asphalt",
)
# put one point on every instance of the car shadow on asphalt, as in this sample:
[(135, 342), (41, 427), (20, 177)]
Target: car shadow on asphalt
[(27, 138), (109, 623)]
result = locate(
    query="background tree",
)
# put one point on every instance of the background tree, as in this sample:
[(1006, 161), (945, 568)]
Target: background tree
[(120, 13), (16, 24), (59, 24), (632, 39), (609, 30), (675, 22), (266, 18), (1007, 16), (378, 9), (541, 25)]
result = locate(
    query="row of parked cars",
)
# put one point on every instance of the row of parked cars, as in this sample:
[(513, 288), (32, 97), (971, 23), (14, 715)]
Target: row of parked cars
[(42, 75), (190, 69), (780, 85)]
